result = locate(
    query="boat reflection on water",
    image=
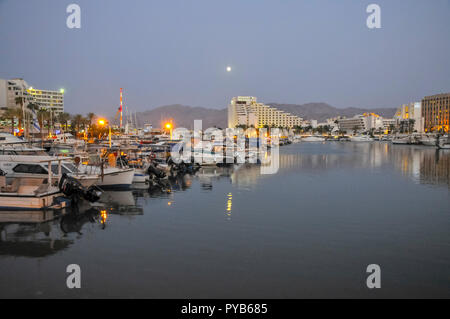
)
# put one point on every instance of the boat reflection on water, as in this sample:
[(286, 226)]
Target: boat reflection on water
[(37, 234), (121, 202), (74, 221), (207, 175)]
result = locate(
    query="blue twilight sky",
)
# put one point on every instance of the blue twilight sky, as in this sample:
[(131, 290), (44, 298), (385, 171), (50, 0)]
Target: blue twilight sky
[(166, 52)]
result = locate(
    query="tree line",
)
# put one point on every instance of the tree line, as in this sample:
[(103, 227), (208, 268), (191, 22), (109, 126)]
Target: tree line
[(47, 120)]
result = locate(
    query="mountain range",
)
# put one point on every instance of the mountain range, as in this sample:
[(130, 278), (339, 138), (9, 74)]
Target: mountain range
[(184, 116)]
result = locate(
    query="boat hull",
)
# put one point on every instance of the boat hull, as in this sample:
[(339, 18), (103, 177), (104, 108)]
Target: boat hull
[(29, 202), (313, 139), (117, 179)]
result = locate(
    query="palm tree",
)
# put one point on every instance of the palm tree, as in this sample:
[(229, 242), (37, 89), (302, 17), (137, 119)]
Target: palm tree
[(63, 118), (77, 121), (19, 101), (90, 117), (43, 115), (31, 106), (11, 114)]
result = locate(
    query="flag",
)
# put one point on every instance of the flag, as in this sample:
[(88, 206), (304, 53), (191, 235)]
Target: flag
[(35, 121)]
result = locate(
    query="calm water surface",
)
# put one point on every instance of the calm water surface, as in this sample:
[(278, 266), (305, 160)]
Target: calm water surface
[(308, 231)]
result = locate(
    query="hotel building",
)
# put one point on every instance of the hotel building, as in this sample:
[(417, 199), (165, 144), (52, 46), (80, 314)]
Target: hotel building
[(411, 111), (245, 110), (361, 123), (49, 100), (14, 88), (435, 111)]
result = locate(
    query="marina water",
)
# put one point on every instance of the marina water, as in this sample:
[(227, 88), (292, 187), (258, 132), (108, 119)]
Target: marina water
[(308, 231)]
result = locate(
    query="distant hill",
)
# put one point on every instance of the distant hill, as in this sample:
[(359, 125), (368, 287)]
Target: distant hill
[(184, 116), (323, 111)]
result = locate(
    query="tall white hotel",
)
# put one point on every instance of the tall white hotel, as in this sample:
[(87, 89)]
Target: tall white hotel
[(245, 110)]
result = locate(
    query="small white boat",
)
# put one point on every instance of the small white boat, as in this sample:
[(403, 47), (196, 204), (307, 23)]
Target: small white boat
[(428, 140), (35, 166), (362, 138), (67, 139), (402, 140), (444, 142), (111, 177), (30, 194), (313, 138), (25, 193), (9, 139)]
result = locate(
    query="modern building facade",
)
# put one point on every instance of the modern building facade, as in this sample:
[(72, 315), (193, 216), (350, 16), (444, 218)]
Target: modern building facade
[(435, 112), (245, 110), (12, 89), (361, 123), (411, 111), (49, 100)]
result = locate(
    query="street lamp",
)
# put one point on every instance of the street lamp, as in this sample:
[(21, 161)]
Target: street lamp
[(103, 122), (169, 127)]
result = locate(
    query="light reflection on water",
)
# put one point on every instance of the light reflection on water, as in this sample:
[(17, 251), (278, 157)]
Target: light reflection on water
[(307, 231)]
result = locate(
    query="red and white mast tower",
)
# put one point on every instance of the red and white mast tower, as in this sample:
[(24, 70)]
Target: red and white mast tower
[(120, 108)]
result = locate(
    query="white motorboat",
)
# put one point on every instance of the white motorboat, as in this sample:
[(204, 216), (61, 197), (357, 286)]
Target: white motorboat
[(110, 177), (444, 142), (35, 166), (29, 194), (68, 139), (402, 140), (9, 139), (313, 138), (206, 158), (428, 140), (25, 193), (362, 138)]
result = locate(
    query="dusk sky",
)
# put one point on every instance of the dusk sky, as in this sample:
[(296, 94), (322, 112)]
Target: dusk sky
[(177, 52)]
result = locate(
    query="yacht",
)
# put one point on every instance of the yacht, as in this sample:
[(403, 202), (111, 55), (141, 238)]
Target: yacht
[(402, 140), (30, 193), (35, 166), (313, 138), (68, 139), (428, 140), (362, 138), (444, 142), (7, 138), (109, 177)]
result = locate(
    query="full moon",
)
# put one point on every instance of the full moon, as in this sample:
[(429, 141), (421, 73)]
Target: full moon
[(228, 68)]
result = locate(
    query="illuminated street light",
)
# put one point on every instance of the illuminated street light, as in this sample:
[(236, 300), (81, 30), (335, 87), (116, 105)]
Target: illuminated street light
[(169, 127)]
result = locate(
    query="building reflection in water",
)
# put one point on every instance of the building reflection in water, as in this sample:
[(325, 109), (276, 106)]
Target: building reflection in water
[(425, 165)]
